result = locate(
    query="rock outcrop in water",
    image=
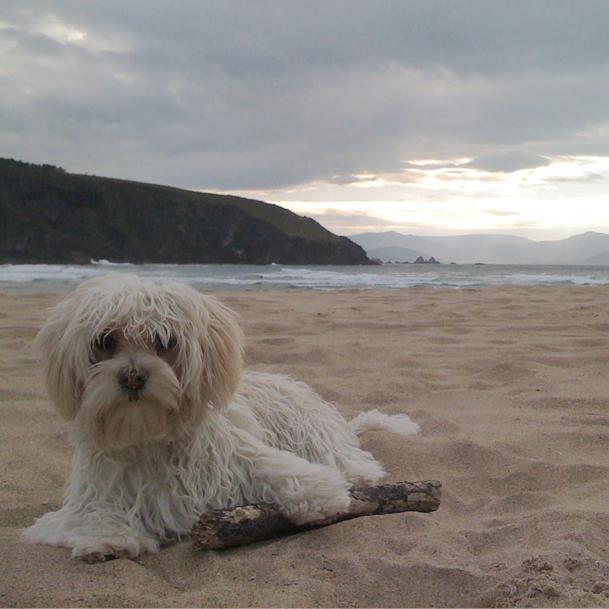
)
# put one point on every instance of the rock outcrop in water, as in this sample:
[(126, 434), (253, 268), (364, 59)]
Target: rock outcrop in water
[(50, 216)]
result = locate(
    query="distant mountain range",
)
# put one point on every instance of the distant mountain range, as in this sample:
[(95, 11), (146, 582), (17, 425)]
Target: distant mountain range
[(50, 216), (587, 248)]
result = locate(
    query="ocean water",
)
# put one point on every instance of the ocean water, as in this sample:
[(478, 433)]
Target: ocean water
[(55, 277)]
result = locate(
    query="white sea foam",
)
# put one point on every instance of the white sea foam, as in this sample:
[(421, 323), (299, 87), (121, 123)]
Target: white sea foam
[(46, 277), (104, 262), (25, 273)]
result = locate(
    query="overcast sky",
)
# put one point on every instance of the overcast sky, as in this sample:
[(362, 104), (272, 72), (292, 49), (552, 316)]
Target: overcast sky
[(430, 117)]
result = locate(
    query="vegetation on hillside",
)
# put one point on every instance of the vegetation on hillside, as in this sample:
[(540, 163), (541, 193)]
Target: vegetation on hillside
[(48, 215)]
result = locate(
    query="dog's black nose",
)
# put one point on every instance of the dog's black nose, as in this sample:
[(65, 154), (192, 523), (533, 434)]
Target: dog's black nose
[(132, 380)]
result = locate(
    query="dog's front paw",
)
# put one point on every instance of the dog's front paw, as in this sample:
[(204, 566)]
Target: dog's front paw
[(317, 508), (303, 491), (316, 511), (319, 493), (101, 555), (99, 552), (122, 546)]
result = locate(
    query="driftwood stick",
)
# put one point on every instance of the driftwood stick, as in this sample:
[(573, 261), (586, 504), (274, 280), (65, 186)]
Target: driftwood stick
[(239, 526)]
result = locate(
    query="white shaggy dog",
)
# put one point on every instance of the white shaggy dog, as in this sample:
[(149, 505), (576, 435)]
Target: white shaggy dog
[(166, 426)]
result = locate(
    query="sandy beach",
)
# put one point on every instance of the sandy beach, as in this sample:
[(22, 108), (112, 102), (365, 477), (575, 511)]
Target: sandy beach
[(510, 387)]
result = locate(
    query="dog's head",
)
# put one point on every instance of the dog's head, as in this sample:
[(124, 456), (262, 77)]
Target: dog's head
[(130, 359)]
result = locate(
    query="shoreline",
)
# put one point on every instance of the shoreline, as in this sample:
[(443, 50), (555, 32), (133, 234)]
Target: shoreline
[(59, 291), (236, 278)]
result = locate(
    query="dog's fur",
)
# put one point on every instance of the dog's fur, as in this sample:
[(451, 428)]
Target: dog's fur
[(166, 425)]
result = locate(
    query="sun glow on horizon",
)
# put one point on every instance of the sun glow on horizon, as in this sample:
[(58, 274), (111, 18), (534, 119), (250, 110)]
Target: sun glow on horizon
[(566, 195)]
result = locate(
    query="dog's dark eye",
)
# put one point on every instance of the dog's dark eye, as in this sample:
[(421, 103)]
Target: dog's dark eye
[(162, 347), (105, 344)]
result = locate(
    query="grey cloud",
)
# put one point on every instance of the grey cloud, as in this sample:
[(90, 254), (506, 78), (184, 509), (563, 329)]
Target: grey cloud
[(508, 162), (268, 38), (586, 179), (266, 94)]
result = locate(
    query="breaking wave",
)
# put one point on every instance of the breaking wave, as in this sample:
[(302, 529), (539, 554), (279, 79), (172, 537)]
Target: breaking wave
[(234, 277)]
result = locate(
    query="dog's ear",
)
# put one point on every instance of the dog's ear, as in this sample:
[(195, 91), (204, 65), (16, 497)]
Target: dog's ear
[(60, 357), (222, 353)]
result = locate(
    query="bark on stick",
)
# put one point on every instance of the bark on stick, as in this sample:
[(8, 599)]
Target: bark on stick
[(246, 524)]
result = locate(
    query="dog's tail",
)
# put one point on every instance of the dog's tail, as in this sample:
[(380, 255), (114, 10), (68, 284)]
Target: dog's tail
[(376, 420)]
